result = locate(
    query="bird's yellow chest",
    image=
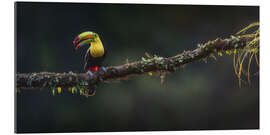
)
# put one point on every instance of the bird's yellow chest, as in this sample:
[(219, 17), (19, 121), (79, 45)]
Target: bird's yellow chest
[(97, 49)]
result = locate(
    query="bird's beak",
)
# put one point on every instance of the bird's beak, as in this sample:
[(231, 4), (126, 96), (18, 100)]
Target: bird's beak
[(80, 41)]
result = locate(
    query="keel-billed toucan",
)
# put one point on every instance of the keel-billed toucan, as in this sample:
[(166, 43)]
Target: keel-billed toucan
[(95, 54)]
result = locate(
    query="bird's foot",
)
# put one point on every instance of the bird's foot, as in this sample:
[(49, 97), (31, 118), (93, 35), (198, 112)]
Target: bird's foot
[(103, 69), (90, 74)]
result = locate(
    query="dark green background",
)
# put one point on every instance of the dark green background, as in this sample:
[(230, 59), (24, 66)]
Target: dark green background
[(201, 96)]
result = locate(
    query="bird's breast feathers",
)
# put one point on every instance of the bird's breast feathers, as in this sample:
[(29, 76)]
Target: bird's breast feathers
[(97, 49)]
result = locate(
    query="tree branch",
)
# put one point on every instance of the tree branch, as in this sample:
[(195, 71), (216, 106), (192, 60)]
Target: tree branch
[(153, 64)]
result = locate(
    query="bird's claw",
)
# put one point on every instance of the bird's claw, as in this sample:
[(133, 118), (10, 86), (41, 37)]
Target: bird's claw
[(90, 74), (103, 69)]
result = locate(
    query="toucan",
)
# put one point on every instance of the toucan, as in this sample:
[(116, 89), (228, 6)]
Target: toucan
[(95, 54)]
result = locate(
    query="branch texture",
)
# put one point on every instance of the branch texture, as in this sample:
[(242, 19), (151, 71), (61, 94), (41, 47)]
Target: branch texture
[(150, 64)]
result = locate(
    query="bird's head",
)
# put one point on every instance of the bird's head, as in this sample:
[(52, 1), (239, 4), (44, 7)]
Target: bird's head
[(85, 38)]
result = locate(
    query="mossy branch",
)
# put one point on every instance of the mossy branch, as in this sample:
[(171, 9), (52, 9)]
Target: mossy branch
[(150, 64)]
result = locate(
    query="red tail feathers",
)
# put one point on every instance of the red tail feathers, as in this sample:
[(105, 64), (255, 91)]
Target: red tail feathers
[(93, 68)]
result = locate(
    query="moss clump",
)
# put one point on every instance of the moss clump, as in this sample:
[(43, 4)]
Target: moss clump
[(250, 51)]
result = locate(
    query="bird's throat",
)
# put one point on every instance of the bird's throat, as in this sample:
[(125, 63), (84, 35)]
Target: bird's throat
[(97, 49)]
